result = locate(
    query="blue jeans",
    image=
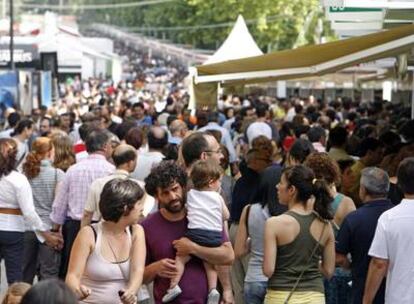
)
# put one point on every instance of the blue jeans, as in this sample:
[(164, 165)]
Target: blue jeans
[(254, 292), (337, 290)]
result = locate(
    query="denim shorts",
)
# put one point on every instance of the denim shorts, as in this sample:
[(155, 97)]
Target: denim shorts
[(254, 292), (206, 238)]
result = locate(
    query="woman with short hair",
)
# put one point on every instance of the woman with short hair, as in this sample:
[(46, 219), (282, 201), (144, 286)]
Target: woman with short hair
[(107, 260)]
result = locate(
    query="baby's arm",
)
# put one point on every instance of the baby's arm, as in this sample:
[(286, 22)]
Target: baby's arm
[(225, 211)]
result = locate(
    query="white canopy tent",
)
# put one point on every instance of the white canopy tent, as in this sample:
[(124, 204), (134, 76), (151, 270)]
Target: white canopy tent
[(239, 44)]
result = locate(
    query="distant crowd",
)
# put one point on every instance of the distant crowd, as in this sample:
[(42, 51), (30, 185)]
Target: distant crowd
[(128, 196)]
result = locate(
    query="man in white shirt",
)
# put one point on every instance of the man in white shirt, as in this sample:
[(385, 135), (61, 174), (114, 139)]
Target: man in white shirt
[(21, 135), (261, 126), (125, 159), (157, 140), (393, 245)]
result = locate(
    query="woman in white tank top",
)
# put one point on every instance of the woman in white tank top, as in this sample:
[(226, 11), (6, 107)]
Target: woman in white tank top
[(108, 259)]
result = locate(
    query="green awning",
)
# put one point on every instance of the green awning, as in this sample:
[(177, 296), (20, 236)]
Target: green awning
[(309, 60)]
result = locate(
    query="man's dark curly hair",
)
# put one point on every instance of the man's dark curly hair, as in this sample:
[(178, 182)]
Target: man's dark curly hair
[(164, 175)]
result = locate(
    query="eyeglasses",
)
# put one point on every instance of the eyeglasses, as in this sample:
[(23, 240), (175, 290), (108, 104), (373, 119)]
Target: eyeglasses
[(218, 151)]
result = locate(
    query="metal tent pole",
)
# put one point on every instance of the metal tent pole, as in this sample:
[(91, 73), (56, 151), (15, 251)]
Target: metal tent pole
[(12, 66)]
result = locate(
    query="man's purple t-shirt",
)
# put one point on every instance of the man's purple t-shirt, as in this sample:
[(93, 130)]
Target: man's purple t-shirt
[(159, 235)]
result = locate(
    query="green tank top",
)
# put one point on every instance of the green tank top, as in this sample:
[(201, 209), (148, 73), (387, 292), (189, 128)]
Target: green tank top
[(292, 259)]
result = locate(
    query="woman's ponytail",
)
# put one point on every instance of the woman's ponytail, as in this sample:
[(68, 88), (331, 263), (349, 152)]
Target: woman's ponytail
[(323, 199), (303, 178), (31, 167), (40, 149)]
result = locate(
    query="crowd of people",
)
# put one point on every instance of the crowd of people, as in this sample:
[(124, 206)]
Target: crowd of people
[(121, 193)]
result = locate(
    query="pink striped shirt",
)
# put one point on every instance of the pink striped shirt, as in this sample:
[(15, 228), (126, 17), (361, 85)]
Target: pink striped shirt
[(71, 198)]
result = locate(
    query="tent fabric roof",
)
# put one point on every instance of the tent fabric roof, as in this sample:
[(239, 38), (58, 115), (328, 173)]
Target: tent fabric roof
[(309, 60), (239, 44)]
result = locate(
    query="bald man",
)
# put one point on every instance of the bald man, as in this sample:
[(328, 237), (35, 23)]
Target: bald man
[(125, 160), (178, 130), (157, 138)]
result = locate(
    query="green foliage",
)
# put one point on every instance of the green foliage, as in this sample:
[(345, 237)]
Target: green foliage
[(274, 24)]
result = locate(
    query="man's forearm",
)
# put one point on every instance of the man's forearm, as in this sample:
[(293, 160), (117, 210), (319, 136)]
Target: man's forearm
[(150, 273), (376, 273), (223, 255), (342, 261)]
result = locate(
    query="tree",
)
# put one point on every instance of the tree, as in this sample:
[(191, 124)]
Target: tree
[(275, 24)]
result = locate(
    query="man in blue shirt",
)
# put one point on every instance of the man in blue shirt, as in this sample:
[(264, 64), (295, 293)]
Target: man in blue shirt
[(138, 112), (358, 229)]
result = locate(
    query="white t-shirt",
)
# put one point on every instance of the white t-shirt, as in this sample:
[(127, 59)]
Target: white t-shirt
[(394, 241), (145, 162), (205, 210), (95, 190), (258, 128), (22, 151), (6, 133), (81, 156)]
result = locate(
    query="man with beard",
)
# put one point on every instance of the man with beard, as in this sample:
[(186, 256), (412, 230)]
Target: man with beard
[(163, 232), (45, 126)]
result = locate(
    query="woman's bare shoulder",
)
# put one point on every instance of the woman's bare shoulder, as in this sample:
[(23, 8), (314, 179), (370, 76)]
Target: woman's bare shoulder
[(283, 219)]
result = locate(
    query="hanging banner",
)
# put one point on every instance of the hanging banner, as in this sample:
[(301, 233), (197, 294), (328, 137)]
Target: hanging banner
[(46, 88), (26, 92)]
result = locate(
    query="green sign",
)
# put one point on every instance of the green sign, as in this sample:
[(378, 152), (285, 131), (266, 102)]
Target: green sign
[(336, 9)]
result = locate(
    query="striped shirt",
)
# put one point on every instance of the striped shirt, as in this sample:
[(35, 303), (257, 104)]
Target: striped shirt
[(43, 189), (71, 197)]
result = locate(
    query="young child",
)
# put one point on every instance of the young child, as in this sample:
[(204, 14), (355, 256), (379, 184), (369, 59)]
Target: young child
[(15, 293), (206, 212)]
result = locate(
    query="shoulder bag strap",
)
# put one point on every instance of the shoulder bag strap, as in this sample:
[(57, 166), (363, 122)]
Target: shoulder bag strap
[(94, 232), (246, 222), (21, 159), (308, 265)]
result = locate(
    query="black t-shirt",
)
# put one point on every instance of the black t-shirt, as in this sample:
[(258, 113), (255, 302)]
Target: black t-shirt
[(395, 194), (355, 237), (244, 192)]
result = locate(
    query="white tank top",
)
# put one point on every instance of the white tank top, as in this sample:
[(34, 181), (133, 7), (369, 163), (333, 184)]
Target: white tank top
[(102, 277)]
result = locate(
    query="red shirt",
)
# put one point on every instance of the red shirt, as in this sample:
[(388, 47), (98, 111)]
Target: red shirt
[(78, 148)]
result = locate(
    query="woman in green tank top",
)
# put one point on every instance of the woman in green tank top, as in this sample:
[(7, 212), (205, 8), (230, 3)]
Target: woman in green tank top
[(337, 289), (299, 244)]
